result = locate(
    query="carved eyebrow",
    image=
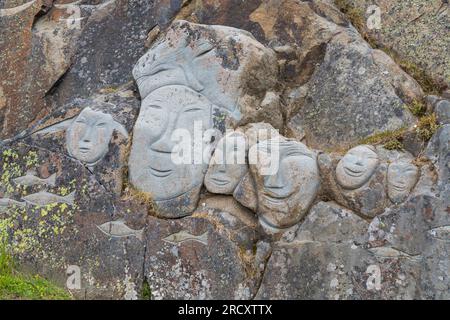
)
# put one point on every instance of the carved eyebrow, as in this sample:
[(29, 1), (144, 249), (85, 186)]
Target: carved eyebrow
[(154, 106), (193, 105)]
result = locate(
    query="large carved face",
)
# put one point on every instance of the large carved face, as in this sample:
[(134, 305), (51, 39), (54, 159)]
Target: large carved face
[(228, 164), (356, 167), (169, 114), (208, 59), (402, 176), (285, 196), (89, 134)]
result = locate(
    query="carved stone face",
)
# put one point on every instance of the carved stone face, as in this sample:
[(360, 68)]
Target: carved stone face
[(209, 59), (89, 135), (163, 111), (402, 176), (284, 197), (356, 167), (228, 164)]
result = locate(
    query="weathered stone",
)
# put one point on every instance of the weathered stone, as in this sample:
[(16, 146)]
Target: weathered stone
[(315, 270), (443, 112), (93, 131), (330, 223), (197, 258), (406, 29), (61, 228), (353, 96)]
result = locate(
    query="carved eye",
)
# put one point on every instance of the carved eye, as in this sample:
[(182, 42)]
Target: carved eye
[(204, 50), (160, 68), (193, 109), (81, 121), (153, 106), (101, 125)]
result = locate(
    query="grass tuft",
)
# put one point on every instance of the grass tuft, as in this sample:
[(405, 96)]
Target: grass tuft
[(18, 286), (391, 139), (427, 126)]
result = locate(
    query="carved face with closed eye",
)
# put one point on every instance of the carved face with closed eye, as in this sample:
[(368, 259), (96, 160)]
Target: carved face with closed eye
[(89, 135), (165, 113), (401, 176)]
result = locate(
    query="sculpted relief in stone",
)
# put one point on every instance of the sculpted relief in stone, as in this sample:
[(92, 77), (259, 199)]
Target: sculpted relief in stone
[(191, 74), (88, 135), (151, 164), (285, 196), (357, 167), (228, 164), (402, 175)]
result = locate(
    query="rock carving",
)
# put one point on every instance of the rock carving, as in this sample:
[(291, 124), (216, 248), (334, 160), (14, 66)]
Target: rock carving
[(356, 167), (402, 175), (31, 179), (228, 164), (43, 198), (285, 197), (184, 236), (119, 229)]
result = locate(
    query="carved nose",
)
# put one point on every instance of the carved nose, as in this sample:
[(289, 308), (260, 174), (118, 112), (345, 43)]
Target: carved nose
[(87, 136), (165, 144), (221, 168), (273, 181)]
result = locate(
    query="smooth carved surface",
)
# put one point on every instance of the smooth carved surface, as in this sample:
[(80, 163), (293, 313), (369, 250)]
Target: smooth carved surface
[(228, 164), (88, 136), (356, 167), (402, 175), (285, 197), (208, 59), (162, 112)]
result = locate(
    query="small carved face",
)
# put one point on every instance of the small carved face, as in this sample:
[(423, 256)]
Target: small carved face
[(402, 177), (167, 124), (89, 135), (356, 167), (228, 164), (286, 195)]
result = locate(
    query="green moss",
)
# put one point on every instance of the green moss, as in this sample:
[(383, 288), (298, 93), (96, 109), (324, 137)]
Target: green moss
[(417, 108), (393, 144), (391, 139), (427, 126), (146, 291)]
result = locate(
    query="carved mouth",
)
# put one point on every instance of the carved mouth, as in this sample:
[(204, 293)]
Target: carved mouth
[(275, 201), (160, 173), (85, 150), (220, 182), (398, 187), (353, 173)]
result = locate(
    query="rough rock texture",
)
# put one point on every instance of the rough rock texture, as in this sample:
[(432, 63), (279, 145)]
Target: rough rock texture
[(344, 96), (417, 30), (91, 92)]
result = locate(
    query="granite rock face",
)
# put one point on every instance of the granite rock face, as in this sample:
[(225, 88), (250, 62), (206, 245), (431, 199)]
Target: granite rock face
[(220, 150), (405, 28)]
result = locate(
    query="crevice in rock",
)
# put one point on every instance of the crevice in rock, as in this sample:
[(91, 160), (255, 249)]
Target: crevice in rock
[(145, 283), (41, 14), (261, 278), (51, 91)]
